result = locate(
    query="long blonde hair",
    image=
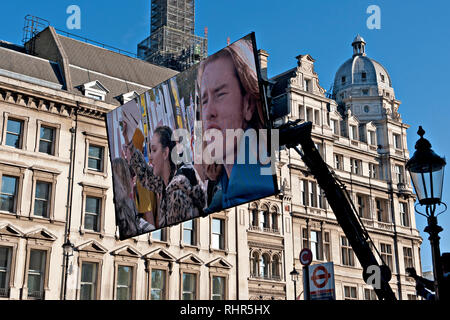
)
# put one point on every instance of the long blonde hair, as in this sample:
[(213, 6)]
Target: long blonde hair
[(242, 55)]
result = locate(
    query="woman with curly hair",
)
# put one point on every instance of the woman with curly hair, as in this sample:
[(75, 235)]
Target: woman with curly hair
[(179, 189), (126, 215)]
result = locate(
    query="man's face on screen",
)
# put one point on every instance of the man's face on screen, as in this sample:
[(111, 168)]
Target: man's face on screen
[(223, 105)]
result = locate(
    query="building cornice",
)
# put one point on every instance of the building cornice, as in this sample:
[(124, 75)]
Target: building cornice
[(50, 100), (301, 92)]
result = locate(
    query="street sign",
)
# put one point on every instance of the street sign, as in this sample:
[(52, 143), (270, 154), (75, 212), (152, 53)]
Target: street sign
[(321, 281), (306, 257)]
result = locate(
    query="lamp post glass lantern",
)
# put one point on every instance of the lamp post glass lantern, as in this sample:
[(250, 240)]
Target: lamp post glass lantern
[(294, 275), (68, 248), (427, 174)]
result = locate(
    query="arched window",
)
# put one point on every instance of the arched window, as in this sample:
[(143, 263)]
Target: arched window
[(254, 264), (274, 216), (264, 218), (276, 267), (254, 217), (264, 266)]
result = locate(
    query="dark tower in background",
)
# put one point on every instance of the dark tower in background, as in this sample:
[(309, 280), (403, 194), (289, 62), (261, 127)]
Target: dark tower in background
[(172, 42)]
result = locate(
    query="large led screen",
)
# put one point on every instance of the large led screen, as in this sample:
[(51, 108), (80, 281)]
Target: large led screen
[(196, 144)]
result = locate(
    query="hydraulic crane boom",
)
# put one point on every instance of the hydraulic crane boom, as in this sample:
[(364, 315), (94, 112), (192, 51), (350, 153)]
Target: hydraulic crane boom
[(293, 134)]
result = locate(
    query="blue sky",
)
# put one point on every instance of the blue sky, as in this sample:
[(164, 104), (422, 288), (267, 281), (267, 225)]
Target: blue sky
[(413, 45)]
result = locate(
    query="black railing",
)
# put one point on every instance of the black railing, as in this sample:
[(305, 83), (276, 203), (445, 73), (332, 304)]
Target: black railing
[(4, 292), (266, 277), (96, 43), (36, 294), (264, 229)]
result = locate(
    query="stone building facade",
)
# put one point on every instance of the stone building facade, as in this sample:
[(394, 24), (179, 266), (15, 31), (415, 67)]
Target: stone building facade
[(56, 186)]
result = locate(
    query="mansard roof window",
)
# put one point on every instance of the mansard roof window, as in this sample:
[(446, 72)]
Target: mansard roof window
[(95, 90)]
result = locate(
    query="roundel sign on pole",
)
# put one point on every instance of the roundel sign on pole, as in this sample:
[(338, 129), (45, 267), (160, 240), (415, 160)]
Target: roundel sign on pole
[(320, 276), (306, 257), (321, 281)]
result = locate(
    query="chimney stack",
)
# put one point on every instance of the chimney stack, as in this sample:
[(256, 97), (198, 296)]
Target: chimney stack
[(263, 55)]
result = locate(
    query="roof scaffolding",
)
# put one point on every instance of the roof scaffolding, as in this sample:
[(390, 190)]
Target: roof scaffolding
[(172, 42)]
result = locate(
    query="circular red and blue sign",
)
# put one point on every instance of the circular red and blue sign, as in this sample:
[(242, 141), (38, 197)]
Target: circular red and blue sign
[(306, 257), (320, 276)]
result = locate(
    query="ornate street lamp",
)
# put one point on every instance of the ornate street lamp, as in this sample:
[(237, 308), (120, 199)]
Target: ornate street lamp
[(427, 174), (294, 276), (68, 252), (68, 248)]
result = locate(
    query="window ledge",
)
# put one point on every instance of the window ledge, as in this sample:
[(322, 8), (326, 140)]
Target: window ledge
[(153, 241), (266, 279), (351, 267), (224, 251), (47, 220), (93, 185), (189, 246), (101, 235), (320, 261), (11, 148), (46, 155), (10, 214), (33, 154), (41, 219), (96, 173)]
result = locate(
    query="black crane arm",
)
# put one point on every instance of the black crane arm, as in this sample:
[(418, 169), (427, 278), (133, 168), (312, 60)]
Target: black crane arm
[(293, 134)]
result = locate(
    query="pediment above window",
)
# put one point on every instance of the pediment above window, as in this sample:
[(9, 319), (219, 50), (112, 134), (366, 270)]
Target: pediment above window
[(91, 246), (371, 126), (191, 259), (9, 230), (335, 115), (159, 254), (351, 119), (41, 234), (126, 251), (219, 263)]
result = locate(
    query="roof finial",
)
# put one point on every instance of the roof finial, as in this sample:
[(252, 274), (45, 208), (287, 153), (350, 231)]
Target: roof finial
[(421, 132), (422, 143), (359, 46)]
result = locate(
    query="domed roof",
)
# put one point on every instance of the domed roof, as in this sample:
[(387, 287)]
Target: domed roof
[(362, 72)]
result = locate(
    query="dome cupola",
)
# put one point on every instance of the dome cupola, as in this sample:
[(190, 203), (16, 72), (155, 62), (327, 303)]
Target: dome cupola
[(361, 76), (359, 46)]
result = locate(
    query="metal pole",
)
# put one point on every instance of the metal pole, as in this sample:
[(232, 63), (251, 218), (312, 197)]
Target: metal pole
[(307, 289), (66, 265), (433, 230), (295, 290)]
